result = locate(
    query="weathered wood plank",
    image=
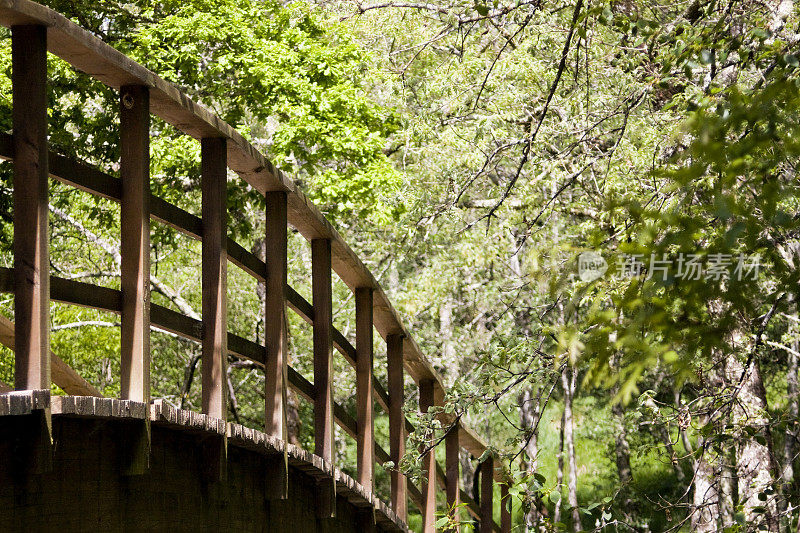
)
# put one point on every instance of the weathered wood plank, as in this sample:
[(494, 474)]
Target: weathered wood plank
[(452, 472), (214, 171), (31, 249), (505, 509), (323, 312), (63, 375), (487, 495), (275, 315), (397, 430), (321, 289), (365, 445), (135, 242), (426, 401)]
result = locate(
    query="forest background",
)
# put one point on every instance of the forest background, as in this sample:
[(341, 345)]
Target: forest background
[(470, 152)]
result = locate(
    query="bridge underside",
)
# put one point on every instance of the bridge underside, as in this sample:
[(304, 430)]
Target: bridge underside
[(96, 478)]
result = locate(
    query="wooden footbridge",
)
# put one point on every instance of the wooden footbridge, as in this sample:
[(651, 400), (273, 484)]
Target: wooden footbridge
[(82, 462)]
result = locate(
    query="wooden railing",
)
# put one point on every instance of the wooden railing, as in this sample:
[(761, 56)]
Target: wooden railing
[(35, 31)]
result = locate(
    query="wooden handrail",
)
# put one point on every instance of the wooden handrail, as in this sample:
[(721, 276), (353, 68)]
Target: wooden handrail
[(142, 94)]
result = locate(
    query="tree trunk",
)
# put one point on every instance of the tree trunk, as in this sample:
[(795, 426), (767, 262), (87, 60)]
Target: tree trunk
[(793, 410), (529, 409), (727, 488), (622, 450), (569, 381), (669, 447), (754, 463), (559, 471), (705, 501)]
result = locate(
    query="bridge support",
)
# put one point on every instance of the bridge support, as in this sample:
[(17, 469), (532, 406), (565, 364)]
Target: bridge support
[(428, 464), (275, 333), (452, 471), (214, 169), (487, 495), (505, 508), (276, 476), (275, 315), (31, 250), (323, 385), (364, 396), (135, 268), (365, 521), (26, 420), (397, 424), (29, 409)]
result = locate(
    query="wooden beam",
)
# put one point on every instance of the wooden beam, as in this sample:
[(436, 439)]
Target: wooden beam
[(215, 280), (31, 250), (452, 472), (63, 375), (487, 495), (322, 295), (397, 429), (214, 178), (426, 401), (365, 444), (476, 496), (275, 316), (505, 509), (135, 242)]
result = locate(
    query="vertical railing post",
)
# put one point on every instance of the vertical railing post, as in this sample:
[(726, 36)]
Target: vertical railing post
[(275, 315), (214, 170), (397, 423), (365, 446), (426, 401), (452, 471), (31, 250), (487, 500), (135, 242), (135, 267), (275, 335), (215, 268), (505, 508), (323, 385), (476, 495)]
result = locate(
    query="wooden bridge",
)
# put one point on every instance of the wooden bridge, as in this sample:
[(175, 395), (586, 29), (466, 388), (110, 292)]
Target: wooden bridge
[(84, 462)]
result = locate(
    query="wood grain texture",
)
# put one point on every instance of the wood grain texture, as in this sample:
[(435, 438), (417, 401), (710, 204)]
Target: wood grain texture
[(135, 242), (365, 444), (487, 495), (397, 429), (426, 401), (323, 315), (452, 471), (213, 173), (505, 509), (275, 332), (63, 375), (31, 250)]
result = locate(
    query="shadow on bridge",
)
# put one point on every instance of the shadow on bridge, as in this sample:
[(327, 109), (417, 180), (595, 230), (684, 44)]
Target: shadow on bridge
[(97, 478)]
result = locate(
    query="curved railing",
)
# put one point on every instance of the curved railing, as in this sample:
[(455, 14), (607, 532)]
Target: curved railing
[(36, 30)]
